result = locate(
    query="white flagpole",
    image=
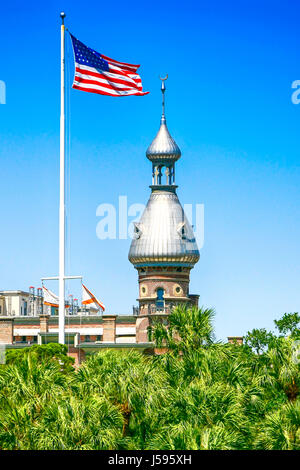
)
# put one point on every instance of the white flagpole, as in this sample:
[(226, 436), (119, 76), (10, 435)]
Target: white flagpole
[(61, 311)]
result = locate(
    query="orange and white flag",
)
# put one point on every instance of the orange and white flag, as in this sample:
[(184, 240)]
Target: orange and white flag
[(50, 298), (89, 299)]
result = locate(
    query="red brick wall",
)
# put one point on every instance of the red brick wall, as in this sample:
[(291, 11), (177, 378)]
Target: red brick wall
[(44, 323), (6, 330), (109, 328), (78, 354), (175, 284), (142, 324)]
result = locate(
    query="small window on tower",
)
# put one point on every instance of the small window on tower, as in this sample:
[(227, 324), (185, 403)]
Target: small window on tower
[(137, 231), (181, 230), (160, 303)]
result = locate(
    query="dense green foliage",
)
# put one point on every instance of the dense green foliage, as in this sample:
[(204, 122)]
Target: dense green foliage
[(201, 394), (44, 352)]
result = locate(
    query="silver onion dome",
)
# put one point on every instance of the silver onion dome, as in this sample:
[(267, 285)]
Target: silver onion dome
[(163, 146), (164, 234)]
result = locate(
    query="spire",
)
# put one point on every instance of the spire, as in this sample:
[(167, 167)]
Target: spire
[(163, 89), (163, 148)]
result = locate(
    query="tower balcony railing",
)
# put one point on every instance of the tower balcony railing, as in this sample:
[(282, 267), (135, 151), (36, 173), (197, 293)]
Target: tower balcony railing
[(135, 310), (151, 310), (159, 310)]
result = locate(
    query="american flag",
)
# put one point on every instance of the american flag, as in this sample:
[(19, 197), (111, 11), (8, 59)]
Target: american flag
[(96, 73)]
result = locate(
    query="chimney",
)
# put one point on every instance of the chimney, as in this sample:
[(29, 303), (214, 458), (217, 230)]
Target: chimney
[(109, 328), (44, 323), (6, 330), (235, 339)]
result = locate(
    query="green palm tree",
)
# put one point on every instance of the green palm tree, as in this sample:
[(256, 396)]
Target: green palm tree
[(136, 384), (281, 429), (198, 395), (188, 327)]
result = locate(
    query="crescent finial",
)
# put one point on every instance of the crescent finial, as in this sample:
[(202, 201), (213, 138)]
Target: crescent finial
[(163, 89)]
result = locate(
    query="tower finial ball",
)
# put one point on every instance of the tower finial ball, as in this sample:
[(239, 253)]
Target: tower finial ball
[(62, 15), (163, 86)]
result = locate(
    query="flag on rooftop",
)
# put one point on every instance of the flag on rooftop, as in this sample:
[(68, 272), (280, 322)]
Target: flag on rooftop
[(97, 73), (89, 299), (50, 298)]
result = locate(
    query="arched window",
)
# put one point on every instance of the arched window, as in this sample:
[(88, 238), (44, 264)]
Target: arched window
[(160, 302), (160, 173)]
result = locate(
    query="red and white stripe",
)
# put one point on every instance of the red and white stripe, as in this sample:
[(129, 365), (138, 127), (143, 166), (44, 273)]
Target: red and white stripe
[(51, 299), (120, 80), (89, 299)]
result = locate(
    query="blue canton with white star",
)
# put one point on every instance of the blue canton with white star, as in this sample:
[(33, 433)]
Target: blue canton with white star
[(86, 56)]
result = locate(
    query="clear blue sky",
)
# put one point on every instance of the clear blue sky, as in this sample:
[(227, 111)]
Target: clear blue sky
[(230, 66)]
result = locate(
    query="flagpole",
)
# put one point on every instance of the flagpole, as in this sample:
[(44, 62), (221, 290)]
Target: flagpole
[(61, 310)]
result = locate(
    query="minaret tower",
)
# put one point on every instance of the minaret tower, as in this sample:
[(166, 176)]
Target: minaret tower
[(163, 249)]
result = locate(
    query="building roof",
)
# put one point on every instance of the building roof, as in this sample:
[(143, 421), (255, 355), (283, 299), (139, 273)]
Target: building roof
[(73, 319), (14, 292), (164, 234)]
